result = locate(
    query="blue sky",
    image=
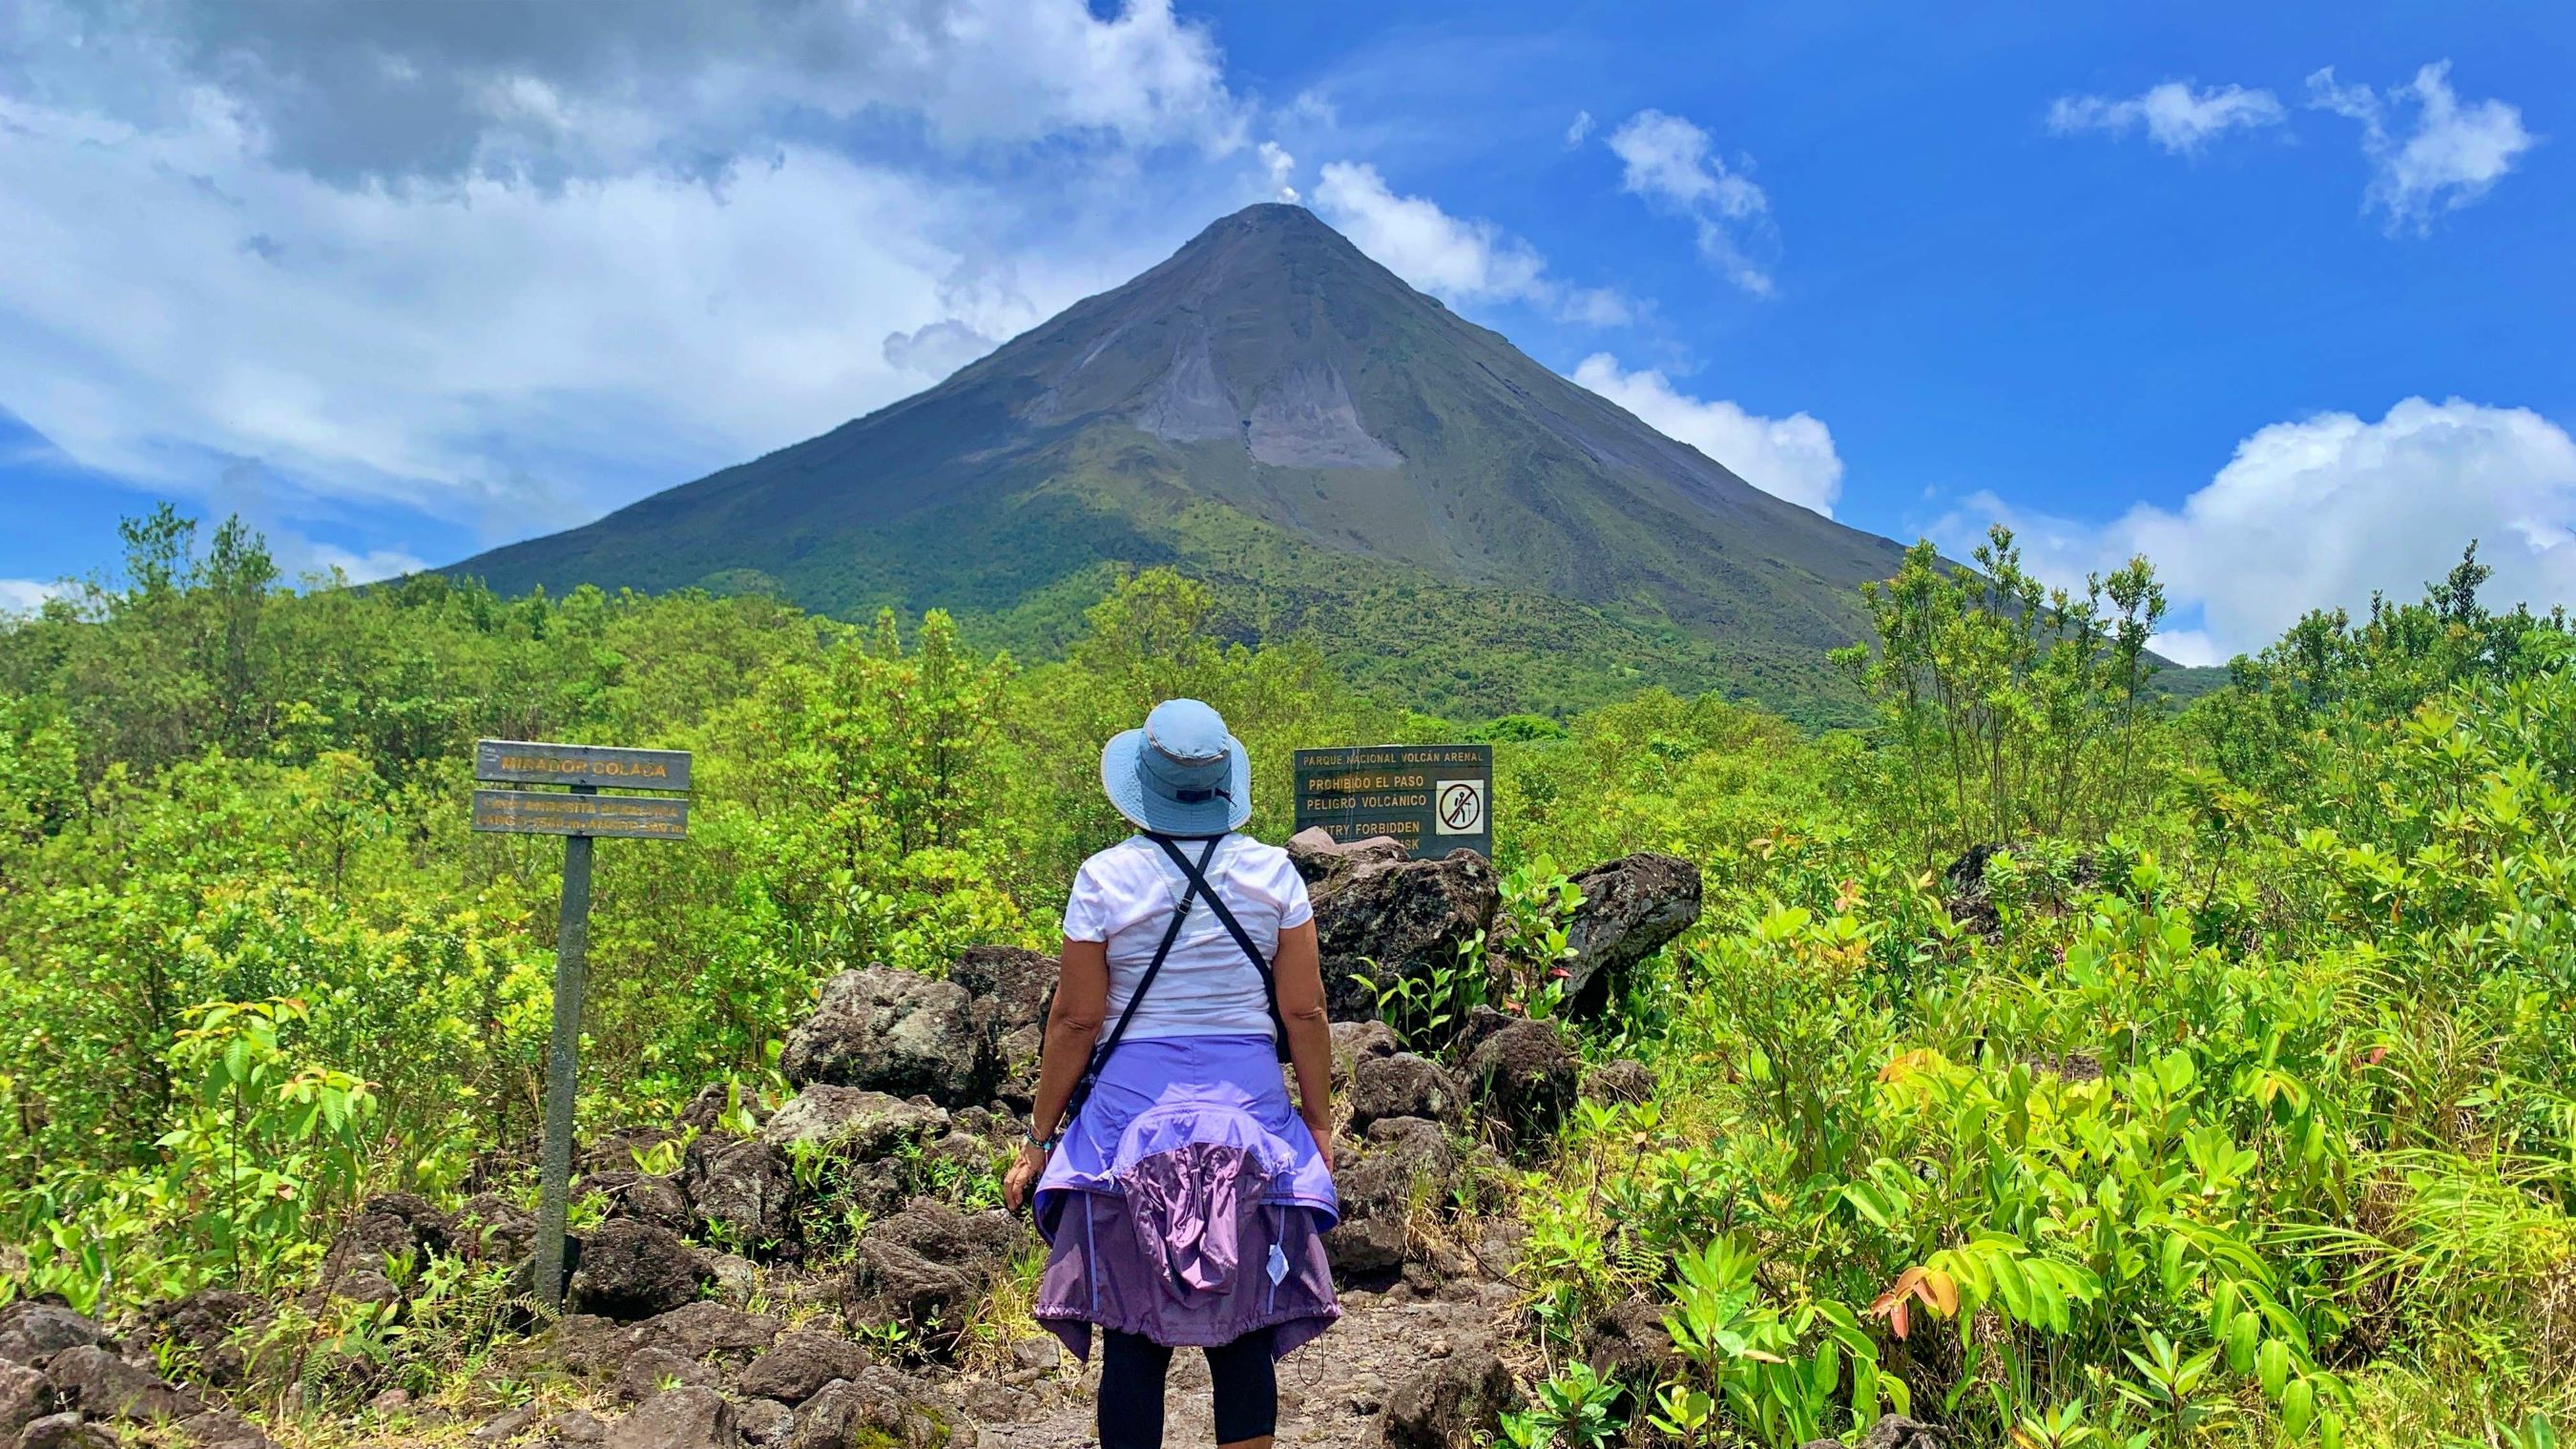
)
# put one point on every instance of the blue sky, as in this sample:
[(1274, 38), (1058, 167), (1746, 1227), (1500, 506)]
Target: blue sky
[(2275, 294)]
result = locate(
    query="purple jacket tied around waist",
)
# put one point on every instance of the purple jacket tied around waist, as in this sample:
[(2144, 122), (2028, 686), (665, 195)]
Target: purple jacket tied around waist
[(1186, 1202)]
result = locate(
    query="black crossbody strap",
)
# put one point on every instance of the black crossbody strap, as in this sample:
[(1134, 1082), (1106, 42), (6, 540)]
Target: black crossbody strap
[(1136, 998), (1234, 928)]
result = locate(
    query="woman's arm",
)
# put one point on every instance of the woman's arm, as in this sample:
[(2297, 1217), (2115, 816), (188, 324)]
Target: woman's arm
[(1299, 974), (1073, 1026)]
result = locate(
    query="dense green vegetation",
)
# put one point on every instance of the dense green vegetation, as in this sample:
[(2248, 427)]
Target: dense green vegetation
[(2224, 1094)]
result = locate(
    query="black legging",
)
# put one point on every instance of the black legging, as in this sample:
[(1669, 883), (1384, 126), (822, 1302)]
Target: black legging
[(1132, 1367)]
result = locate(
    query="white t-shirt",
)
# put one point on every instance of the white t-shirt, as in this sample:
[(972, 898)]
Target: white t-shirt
[(1125, 896)]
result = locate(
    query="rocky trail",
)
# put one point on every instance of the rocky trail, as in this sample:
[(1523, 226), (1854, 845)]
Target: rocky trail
[(1392, 1368)]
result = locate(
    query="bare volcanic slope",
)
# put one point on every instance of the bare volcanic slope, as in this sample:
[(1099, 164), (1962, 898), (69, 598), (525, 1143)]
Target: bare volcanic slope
[(1272, 411)]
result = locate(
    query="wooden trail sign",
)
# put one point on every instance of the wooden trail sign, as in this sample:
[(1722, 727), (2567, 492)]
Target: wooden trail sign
[(577, 814), (1433, 798), (546, 812)]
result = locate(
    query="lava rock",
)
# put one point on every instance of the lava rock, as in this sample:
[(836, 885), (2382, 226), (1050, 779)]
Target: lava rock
[(224, 1429), (388, 1226), (1894, 1431), (588, 1343), (25, 1397), (1631, 907), (860, 1124), (31, 1332), (1404, 1085), (1398, 920), (507, 1425), (707, 1330), (743, 1186), (713, 1101), (690, 1417), (104, 1386), (205, 1330), (648, 1371), (1452, 1400), (891, 1031), (491, 1226), (763, 1421), (1969, 897), (879, 1402), (633, 1270), (1012, 989), (927, 1265), (1528, 1076), (643, 1196), (576, 1426), (1356, 1040), (1403, 1161), (1318, 857), (800, 1364), (65, 1431), (1619, 1081), (735, 1276), (624, 1150), (1628, 1342)]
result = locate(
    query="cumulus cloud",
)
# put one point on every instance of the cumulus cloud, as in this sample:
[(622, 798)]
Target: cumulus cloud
[(1673, 164), (384, 343), (2452, 155), (1791, 457), (2325, 511), (2174, 115), (937, 349), (1457, 258), (426, 89), (25, 596), (312, 558), (508, 266)]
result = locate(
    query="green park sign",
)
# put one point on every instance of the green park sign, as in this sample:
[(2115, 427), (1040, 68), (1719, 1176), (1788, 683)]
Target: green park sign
[(1432, 798)]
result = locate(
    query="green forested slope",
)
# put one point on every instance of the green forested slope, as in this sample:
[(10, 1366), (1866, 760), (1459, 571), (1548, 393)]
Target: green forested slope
[(1270, 411)]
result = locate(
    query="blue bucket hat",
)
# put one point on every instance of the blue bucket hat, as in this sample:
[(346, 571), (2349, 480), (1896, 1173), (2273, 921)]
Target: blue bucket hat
[(1182, 774)]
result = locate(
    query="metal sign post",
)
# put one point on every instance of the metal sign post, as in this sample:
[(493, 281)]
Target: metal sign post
[(578, 816), (1432, 798)]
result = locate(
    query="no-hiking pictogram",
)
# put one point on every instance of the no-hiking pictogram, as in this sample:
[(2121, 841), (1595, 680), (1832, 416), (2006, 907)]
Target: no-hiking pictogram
[(1428, 798), (1461, 807)]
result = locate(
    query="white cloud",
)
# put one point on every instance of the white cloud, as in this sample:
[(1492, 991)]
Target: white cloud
[(937, 349), (2454, 155), (1578, 130), (1595, 307), (405, 89), (2174, 115), (1791, 457), (25, 596), (1672, 163), (1460, 259), (509, 266), (2191, 648), (357, 568), (2323, 512), (382, 336), (1282, 168)]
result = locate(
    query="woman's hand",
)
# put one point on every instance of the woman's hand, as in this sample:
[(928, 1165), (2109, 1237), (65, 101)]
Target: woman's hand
[(1023, 1176)]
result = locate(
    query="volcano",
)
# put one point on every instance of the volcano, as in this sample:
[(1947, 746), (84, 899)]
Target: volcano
[(1339, 455)]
